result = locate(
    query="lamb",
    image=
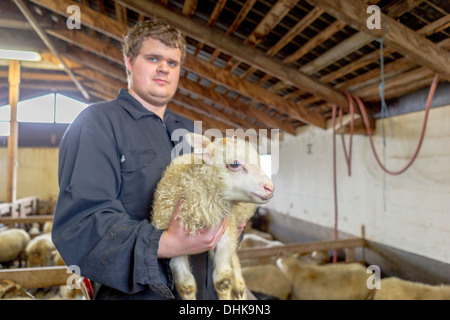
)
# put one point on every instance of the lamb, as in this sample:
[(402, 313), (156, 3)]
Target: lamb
[(337, 281), (219, 180), (394, 288), (40, 251), (12, 244)]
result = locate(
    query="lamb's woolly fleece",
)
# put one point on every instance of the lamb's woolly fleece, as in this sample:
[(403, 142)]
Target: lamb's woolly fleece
[(198, 186)]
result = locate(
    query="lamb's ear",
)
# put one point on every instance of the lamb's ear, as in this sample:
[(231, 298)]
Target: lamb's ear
[(197, 140), (203, 147)]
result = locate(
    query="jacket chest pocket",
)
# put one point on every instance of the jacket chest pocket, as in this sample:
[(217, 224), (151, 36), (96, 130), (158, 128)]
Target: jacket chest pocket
[(140, 171), (132, 161)]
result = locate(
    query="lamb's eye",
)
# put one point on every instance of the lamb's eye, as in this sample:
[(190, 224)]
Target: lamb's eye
[(235, 164)]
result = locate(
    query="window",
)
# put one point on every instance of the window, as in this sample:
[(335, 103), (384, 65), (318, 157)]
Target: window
[(40, 109), (5, 117), (49, 108), (67, 109)]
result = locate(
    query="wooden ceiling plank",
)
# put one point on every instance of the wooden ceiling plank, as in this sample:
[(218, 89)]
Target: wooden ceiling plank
[(245, 9), (309, 18), (251, 90), (220, 114), (374, 56), (343, 49), (189, 7), (398, 36), (355, 65), (234, 47), (270, 21), (401, 84), (216, 12), (95, 63), (89, 43), (315, 41), (195, 116), (399, 65), (33, 22), (398, 8), (90, 18), (98, 27), (227, 102)]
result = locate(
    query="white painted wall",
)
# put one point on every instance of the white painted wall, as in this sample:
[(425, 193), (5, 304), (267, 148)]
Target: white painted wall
[(417, 215)]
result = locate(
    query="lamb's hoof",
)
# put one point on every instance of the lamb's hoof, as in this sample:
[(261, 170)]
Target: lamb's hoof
[(223, 288), (223, 284), (239, 292), (187, 292)]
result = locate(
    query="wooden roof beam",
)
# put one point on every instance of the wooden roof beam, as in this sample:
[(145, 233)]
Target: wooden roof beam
[(398, 36), (234, 47), (270, 20), (90, 18), (33, 22), (253, 91)]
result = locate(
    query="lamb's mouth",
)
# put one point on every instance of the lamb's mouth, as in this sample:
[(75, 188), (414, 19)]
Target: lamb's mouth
[(258, 196)]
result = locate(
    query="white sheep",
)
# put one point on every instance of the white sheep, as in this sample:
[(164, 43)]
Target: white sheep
[(40, 251), (219, 180), (394, 288), (47, 226), (337, 281), (12, 244), (267, 279), (252, 240), (35, 229)]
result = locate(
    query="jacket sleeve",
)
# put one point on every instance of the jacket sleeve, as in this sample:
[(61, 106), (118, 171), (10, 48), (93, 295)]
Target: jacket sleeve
[(91, 228)]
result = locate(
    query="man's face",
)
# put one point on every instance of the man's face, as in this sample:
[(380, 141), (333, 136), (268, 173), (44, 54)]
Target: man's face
[(155, 72)]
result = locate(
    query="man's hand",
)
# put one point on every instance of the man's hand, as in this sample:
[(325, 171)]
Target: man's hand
[(176, 241)]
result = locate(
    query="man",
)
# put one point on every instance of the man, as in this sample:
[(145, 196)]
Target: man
[(110, 161)]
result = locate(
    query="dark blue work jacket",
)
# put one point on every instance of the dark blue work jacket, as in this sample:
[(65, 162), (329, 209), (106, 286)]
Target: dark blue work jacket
[(110, 161)]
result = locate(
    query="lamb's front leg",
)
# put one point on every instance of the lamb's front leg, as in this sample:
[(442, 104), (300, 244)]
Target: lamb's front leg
[(239, 288), (183, 277), (223, 270)]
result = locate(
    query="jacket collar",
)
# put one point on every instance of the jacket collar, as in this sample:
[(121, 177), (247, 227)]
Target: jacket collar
[(136, 110)]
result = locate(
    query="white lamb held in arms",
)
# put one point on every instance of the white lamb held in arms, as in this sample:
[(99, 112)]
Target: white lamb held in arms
[(219, 180)]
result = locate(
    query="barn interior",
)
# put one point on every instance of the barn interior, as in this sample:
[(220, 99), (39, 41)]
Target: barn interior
[(348, 99)]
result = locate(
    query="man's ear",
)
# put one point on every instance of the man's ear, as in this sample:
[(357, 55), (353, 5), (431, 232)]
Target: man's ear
[(128, 64)]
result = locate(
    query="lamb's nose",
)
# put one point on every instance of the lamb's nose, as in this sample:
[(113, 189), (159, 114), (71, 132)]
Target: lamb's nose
[(269, 188)]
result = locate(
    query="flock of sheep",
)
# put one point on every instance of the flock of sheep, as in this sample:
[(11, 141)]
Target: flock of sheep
[(32, 248), (290, 277), (313, 277)]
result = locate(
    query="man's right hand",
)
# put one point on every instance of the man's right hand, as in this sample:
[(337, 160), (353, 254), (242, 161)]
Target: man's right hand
[(176, 241)]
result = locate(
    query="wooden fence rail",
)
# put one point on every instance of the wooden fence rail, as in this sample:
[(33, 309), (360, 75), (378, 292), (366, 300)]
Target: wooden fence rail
[(19, 208), (303, 248), (37, 277)]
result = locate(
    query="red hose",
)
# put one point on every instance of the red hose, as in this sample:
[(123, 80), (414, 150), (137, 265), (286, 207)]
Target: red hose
[(422, 135), (369, 133)]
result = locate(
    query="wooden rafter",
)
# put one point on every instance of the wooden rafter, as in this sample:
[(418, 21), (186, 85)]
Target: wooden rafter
[(270, 20), (249, 55), (33, 22), (85, 41), (236, 53), (398, 36)]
